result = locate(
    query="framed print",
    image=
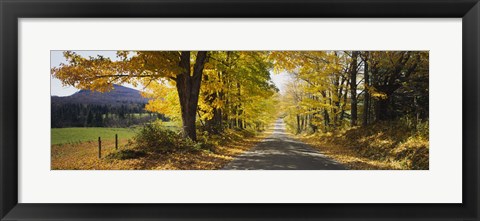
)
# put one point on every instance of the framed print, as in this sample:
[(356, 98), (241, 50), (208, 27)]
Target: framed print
[(319, 110)]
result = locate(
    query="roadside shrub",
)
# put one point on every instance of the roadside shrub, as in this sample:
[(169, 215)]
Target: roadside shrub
[(155, 138), (207, 141)]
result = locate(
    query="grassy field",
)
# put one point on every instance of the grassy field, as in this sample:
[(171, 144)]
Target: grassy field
[(84, 156), (77, 149), (83, 134)]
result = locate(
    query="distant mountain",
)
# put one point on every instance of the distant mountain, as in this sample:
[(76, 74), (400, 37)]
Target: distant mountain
[(116, 97)]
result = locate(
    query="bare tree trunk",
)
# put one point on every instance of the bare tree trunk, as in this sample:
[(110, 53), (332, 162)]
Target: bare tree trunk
[(326, 117), (239, 107), (188, 88), (302, 123), (298, 124), (366, 103), (345, 95), (214, 124), (353, 89)]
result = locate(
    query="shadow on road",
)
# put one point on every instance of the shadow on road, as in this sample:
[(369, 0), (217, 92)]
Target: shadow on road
[(280, 152)]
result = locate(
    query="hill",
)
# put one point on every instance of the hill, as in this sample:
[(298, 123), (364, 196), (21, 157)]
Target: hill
[(116, 97)]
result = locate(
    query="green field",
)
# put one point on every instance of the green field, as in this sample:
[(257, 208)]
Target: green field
[(82, 134)]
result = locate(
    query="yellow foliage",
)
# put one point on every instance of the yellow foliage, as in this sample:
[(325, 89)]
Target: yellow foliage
[(385, 146), (376, 94), (163, 99)]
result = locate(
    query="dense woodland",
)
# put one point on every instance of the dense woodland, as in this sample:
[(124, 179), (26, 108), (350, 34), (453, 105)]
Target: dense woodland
[(92, 115), (341, 89)]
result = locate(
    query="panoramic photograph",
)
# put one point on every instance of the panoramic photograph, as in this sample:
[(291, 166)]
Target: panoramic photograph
[(239, 110)]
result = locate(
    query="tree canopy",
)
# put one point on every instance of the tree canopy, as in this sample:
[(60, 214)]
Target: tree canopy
[(233, 89), (219, 89), (332, 88)]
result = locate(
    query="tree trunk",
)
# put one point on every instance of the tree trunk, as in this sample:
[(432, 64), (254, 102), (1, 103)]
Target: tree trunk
[(345, 95), (366, 103), (381, 109), (298, 124), (214, 125), (188, 88), (239, 107), (326, 117), (353, 89), (302, 123)]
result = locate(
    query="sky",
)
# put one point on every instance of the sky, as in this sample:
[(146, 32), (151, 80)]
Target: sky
[(57, 89)]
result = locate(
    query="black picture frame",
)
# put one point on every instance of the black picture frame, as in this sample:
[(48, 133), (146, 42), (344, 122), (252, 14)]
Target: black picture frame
[(12, 10)]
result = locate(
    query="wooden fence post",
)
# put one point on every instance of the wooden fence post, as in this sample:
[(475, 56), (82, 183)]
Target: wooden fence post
[(116, 141), (99, 148)]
